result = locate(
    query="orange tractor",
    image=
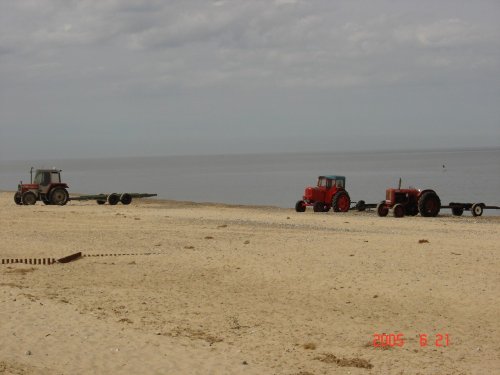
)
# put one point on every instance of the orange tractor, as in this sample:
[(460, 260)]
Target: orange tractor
[(410, 202), (46, 187)]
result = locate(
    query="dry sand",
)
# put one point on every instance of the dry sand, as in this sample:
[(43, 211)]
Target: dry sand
[(217, 289)]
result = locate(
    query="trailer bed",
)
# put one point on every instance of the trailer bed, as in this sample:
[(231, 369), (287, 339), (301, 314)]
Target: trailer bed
[(457, 208), (113, 198)]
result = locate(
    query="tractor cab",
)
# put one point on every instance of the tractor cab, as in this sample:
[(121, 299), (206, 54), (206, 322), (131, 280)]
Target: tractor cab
[(328, 182), (45, 177)]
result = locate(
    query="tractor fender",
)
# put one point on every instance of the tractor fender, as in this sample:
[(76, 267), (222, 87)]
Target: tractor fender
[(33, 190), (52, 187), (426, 191), (60, 185)]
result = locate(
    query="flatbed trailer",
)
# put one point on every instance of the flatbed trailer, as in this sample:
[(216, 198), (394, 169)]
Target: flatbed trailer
[(457, 209), (113, 198)]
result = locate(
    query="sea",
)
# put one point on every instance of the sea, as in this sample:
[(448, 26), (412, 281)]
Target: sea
[(460, 175)]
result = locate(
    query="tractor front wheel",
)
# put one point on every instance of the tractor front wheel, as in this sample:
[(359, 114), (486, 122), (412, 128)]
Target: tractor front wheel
[(29, 198), (300, 206), (59, 196), (341, 202), (382, 209), (319, 207), (429, 204), (18, 199), (398, 210)]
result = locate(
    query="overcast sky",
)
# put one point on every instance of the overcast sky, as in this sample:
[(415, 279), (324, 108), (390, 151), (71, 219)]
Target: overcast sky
[(81, 78)]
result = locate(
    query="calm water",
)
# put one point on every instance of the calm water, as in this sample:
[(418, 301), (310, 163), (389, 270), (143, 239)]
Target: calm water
[(277, 179)]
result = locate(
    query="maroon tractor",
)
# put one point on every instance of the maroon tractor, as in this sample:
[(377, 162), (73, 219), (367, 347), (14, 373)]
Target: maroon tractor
[(328, 193), (410, 202), (46, 187)]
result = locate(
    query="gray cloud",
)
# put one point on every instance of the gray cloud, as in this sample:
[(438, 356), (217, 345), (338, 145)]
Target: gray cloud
[(206, 73)]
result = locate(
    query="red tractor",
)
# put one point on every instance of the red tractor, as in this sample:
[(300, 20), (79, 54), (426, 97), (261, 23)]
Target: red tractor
[(410, 202), (46, 187), (328, 193)]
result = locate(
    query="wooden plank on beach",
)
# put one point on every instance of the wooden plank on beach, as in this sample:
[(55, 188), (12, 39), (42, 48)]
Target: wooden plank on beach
[(70, 258)]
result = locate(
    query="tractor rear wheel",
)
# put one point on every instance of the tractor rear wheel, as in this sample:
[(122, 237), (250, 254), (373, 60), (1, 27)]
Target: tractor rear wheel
[(429, 204), (300, 206), (341, 202), (398, 210), (457, 211), (477, 209), (44, 199), (29, 198), (319, 207), (18, 199), (59, 196), (382, 209)]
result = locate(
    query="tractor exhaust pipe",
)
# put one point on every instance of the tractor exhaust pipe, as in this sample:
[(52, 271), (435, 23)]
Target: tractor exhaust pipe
[(399, 186), (31, 175)]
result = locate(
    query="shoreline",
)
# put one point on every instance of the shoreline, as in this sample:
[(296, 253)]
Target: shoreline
[(488, 215)]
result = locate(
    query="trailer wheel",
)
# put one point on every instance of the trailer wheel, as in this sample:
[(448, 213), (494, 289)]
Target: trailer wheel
[(341, 202), (59, 196), (18, 199), (113, 199), (457, 211), (398, 210), (319, 207), (429, 204), (29, 198), (100, 202), (382, 209), (125, 198), (477, 209), (361, 205), (300, 206)]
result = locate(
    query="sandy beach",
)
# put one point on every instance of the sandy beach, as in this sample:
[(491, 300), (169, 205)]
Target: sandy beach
[(183, 288)]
